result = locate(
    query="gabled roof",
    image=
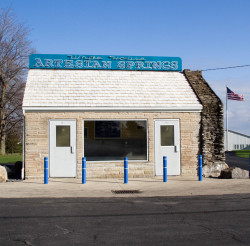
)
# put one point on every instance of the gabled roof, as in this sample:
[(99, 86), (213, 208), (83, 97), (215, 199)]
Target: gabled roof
[(108, 90), (237, 133)]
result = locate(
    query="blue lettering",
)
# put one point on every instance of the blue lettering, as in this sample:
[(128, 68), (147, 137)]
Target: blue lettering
[(166, 65), (130, 64), (106, 64), (96, 64), (58, 63), (79, 64), (139, 65), (48, 63), (156, 65), (87, 64), (73, 57), (148, 65), (121, 65), (38, 63), (174, 65), (68, 63)]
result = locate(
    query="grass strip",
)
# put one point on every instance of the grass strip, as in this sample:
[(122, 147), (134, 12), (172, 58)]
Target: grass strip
[(242, 153), (10, 158)]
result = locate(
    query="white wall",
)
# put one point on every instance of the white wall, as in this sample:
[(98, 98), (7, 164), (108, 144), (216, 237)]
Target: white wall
[(236, 141)]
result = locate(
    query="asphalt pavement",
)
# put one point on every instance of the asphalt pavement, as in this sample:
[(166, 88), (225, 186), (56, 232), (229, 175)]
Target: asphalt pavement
[(182, 211), (166, 220), (235, 161)]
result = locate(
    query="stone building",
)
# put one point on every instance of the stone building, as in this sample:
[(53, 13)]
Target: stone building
[(110, 107)]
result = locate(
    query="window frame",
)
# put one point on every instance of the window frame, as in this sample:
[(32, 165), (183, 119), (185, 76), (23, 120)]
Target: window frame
[(113, 119)]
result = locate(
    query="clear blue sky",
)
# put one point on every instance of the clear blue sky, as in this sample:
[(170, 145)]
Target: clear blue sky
[(204, 33)]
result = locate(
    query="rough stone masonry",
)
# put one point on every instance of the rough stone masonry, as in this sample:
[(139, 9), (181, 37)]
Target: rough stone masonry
[(212, 128)]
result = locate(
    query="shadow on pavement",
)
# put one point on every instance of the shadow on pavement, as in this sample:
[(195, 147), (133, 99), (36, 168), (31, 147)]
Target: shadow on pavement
[(235, 161)]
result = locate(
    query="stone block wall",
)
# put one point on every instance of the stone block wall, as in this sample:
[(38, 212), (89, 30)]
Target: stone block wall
[(212, 126), (37, 142)]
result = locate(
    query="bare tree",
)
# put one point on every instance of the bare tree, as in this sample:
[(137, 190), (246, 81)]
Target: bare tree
[(15, 48)]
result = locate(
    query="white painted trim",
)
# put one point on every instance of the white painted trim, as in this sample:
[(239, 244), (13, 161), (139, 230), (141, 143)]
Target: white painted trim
[(196, 108), (23, 166)]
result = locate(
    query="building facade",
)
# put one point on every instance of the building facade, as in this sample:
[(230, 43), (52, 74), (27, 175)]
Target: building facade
[(106, 108), (237, 141)]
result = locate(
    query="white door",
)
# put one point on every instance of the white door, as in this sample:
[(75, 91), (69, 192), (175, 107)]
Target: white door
[(167, 143), (62, 158)]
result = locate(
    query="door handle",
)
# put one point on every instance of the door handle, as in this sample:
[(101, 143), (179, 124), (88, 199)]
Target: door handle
[(176, 148), (72, 149)]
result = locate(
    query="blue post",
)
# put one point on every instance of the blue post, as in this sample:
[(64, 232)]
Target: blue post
[(46, 170), (165, 174), (84, 170), (200, 167), (125, 170)]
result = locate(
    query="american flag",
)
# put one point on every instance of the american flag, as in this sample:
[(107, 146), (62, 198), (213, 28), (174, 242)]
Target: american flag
[(233, 96)]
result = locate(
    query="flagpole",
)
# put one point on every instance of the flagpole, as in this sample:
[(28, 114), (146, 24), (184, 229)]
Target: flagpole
[(226, 124), (231, 96)]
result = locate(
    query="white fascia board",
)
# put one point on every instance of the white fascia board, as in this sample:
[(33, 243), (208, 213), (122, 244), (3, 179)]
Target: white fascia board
[(196, 108)]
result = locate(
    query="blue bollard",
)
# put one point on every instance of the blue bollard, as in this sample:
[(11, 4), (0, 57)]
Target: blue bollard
[(200, 167), (46, 170), (84, 170), (125, 170), (165, 169)]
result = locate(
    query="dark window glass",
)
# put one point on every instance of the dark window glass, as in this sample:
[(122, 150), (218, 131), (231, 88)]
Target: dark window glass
[(62, 136), (107, 129), (114, 140), (167, 135), (85, 132)]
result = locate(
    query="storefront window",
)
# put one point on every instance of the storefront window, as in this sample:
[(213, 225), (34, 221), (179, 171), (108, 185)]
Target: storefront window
[(114, 140)]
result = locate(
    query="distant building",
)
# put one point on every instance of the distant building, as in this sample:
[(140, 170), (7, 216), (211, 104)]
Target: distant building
[(237, 141)]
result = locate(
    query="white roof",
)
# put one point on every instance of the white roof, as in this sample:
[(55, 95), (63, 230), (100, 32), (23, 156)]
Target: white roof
[(108, 90)]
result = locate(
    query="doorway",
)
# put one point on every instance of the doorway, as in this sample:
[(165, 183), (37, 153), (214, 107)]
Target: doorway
[(62, 157), (167, 143)]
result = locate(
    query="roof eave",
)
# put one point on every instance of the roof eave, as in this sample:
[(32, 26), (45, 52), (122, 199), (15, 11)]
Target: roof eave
[(193, 108)]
